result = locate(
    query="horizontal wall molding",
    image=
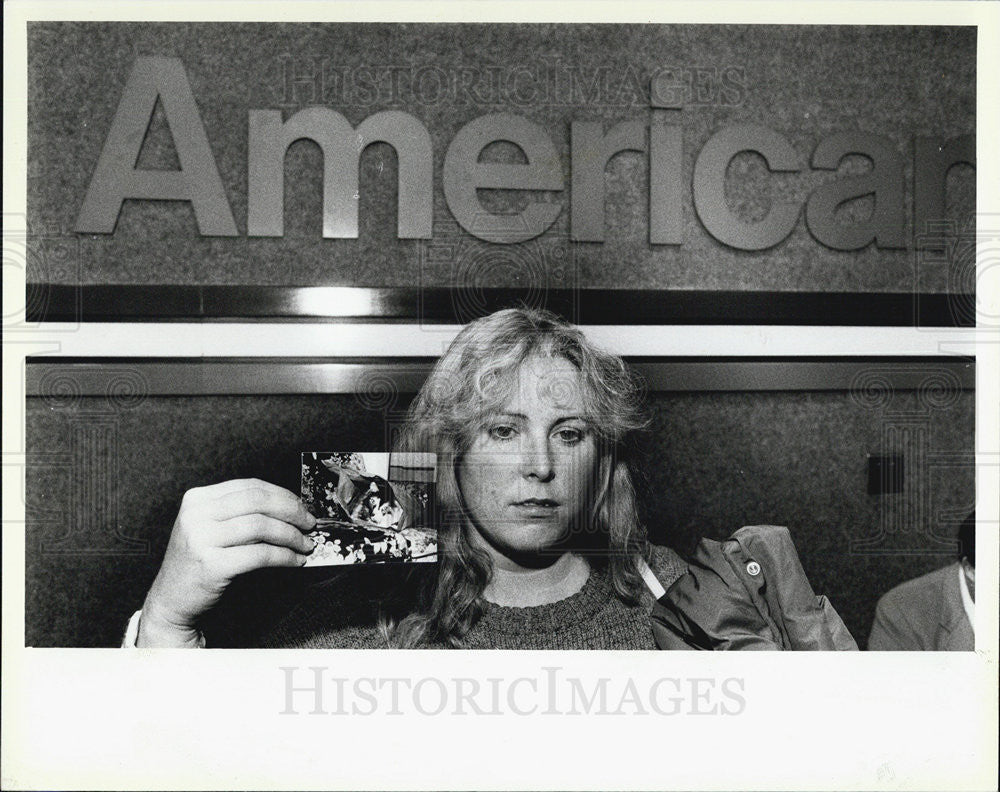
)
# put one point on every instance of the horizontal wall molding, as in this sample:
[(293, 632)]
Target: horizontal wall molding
[(319, 340), (131, 379), (159, 303)]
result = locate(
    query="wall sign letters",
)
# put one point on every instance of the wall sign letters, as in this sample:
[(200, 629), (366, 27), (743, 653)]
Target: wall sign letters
[(116, 177)]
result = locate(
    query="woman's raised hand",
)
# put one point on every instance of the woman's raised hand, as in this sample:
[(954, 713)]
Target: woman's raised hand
[(221, 531)]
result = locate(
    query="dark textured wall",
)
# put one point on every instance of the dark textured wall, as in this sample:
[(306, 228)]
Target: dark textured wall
[(105, 478), (803, 81)]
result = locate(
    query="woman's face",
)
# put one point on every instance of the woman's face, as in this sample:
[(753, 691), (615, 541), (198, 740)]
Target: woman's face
[(529, 475)]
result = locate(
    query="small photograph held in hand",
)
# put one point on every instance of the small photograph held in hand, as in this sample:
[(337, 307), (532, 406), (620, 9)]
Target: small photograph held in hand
[(371, 508)]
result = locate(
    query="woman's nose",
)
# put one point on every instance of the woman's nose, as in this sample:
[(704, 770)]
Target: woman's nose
[(536, 459)]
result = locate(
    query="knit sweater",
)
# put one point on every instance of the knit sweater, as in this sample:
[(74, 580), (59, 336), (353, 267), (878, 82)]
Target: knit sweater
[(592, 618)]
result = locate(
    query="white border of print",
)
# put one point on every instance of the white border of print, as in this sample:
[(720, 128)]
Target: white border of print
[(111, 719)]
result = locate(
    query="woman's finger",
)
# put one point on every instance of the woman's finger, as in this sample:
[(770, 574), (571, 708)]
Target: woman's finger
[(270, 500), (237, 485), (246, 558), (250, 528)]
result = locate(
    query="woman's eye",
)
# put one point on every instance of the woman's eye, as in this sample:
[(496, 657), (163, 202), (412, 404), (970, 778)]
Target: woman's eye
[(502, 432), (570, 436)]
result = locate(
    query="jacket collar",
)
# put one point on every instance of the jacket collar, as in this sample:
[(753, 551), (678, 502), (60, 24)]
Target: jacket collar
[(955, 630)]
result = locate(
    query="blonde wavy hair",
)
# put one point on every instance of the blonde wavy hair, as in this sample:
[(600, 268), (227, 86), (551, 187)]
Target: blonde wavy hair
[(472, 379)]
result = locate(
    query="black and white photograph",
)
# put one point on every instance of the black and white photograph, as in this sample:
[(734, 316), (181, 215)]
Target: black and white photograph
[(370, 508), (656, 331)]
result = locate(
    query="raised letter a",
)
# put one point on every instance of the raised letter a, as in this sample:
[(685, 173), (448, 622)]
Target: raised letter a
[(116, 176)]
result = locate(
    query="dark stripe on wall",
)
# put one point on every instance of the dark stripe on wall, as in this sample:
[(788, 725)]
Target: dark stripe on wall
[(139, 303), (377, 382)]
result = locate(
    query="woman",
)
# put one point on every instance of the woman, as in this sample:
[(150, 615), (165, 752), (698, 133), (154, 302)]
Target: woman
[(541, 543)]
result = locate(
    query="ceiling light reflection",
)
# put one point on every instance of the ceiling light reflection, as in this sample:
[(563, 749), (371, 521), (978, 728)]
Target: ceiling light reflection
[(340, 301)]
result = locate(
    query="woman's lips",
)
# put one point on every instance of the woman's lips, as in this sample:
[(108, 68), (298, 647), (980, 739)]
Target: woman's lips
[(536, 507)]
